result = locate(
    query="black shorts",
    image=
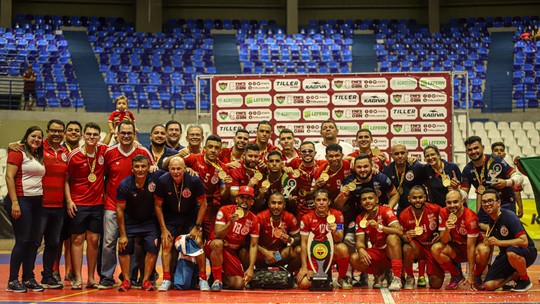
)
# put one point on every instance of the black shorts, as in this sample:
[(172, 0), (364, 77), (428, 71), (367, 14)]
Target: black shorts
[(147, 232), (501, 268), (180, 225), (87, 218)]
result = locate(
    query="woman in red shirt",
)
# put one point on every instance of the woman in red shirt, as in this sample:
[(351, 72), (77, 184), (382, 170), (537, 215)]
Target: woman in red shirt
[(24, 173)]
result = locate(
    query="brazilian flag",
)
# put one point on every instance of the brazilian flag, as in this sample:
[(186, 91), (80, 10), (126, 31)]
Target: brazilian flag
[(531, 165)]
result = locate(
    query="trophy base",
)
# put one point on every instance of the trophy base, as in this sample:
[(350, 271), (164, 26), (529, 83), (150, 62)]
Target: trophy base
[(321, 284)]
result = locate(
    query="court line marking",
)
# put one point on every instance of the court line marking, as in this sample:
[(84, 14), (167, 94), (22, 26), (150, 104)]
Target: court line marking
[(70, 295), (387, 296)]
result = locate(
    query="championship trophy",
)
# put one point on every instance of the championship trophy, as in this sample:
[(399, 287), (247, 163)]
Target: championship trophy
[(321, 251)]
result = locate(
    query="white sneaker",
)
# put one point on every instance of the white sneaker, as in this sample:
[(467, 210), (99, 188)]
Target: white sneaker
[(203, 285), (395, 285), (409, 283), (165, 285)]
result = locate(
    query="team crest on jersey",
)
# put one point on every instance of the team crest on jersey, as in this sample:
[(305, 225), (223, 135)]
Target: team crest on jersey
[(352, 224), (462, 230), (186, 193), (432, 225), (219, 215), (504, 230), (214, 180), (378, 192), (101, 160), (151, 186), (409, 176), (245, 230), (64, 157)]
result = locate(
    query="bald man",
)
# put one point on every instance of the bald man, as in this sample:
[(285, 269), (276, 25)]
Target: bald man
[(180, 205)]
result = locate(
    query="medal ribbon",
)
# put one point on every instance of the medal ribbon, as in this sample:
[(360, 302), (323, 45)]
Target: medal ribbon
[(328, 168), (417, 220), (93, 166), (481, 180), (400, 178), (213, 164), (490, 229), (179, 196)]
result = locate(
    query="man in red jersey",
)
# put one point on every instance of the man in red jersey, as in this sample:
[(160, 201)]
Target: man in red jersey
[(233, 224), (319, 222), (233, 155), (215, 176), (248, 174), (381, 226), (330, 175), (460, 242), (279, 236), (84, 197), (264, 133), (364, 141), (118, 163), (305, 168), (286, 141), (276, 181), (420, 222)]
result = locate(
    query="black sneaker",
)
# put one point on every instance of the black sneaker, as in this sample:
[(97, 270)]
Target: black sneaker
[(106, 283), (51, 283), (522, 285), (16, 286), (136, 284), (32, 285), (58, 278)]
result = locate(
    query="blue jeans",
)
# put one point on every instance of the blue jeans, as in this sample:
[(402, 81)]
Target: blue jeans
[(27, 237), (110, 238), (52, 220)]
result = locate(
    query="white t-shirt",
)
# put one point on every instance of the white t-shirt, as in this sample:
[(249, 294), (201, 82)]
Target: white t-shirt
[(321, 149)]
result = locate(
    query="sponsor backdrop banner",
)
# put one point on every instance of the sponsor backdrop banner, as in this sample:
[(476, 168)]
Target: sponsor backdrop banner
[(410, 108)]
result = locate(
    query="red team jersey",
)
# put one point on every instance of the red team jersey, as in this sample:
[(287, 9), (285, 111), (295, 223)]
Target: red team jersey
[(225, 155), (304, 183), (55, 174), (118, 164), (333, 184), (316, 224), (386, 217), (288, 223), (375, 160), (83, 192), (429, 222), (241, 176), (236, 236), (208, 175), (466, 225)]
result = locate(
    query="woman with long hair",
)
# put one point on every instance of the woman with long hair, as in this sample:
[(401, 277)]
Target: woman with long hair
[(24, 173), (440, 176)]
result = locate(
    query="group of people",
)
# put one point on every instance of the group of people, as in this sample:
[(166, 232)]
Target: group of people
[(530, 34), (254, 205)]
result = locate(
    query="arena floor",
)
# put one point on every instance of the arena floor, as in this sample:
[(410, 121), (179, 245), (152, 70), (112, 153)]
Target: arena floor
[(357, 295)]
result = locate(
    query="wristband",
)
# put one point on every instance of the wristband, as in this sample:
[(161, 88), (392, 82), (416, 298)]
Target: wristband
[(15, 203)]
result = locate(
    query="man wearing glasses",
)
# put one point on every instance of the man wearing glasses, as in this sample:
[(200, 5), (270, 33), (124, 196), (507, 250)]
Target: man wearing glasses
[(118, 163), (516, 248)]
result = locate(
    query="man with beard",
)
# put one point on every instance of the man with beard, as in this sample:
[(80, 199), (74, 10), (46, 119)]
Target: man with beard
[(403, 174), (499, 149), (232, 156), (329, 134), (485, 170), (279, 236), (158, 147), (320, 222), (248, 174), (233, 224), (215, 177), (420, 223), (517, 250), (364, 141), (305, 168), (264, 133), (381, 226), (180, 206), (286, 141), (276, 181), (330, 175), (174, 133), (460, 241)]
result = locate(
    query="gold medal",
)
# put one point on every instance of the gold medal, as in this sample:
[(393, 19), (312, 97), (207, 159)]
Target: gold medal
[(239, 212), (92, 177), (481, 189), (302, 192), (222, 174), (266, 184), (446, 182), (296, 173), (351, 186), (277, 232), (400, 190), (418, 230), (330, 219), (363, 223), (452, 218), (258, 175), (375, 151), (324, 176)]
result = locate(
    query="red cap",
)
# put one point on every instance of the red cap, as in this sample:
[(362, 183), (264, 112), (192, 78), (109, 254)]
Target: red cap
[(246, 190)]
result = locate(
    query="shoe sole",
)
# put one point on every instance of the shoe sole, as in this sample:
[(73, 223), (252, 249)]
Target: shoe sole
[(36, 290), (523, 290), (46, 286), (105, 287), (17, 291), (457, 286)]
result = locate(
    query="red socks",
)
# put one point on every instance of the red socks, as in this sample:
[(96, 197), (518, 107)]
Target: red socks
[(451, 268), (216, 272), (342, 265), (421, 268), (397, 265), (167, 275), (202, 275)]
